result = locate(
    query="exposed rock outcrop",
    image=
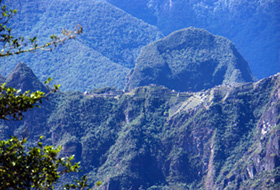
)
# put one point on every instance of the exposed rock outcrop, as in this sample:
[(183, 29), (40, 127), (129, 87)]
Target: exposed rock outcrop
[(24, 79)]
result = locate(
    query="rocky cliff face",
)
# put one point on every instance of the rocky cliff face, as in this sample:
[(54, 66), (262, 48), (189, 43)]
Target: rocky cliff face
[(189, 60), (226, 137), (223, 138)]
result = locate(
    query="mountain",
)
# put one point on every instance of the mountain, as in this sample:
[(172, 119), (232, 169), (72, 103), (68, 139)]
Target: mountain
[(24, 79), (226, 137), (113, 35), (101, 56), (189, 60), (252, 25), (200, 121)]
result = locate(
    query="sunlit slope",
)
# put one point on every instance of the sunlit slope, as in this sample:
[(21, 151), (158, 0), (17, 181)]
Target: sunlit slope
[(101, 56)]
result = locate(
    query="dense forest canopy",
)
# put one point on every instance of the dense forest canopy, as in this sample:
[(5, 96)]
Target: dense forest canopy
[(191, 116)]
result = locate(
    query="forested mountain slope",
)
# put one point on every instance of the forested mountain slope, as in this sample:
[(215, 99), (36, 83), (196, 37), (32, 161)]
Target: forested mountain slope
[(113, 38), (189, 60), (226, 137), (101, 56), (252, 25), (192, 116)]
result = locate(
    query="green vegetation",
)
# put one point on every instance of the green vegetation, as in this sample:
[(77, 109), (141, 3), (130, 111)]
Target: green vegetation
[(189, 60), (13, 103), (132, 140), (100, 57), (253, 26), (17, 45), (151, 137), (38, 167)]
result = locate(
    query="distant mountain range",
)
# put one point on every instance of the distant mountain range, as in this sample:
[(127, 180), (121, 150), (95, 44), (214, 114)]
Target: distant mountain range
[(151, 137), (101, 56), (252, 25), (113, 37)]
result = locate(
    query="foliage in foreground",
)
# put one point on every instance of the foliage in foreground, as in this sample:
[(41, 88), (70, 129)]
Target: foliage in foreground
[(13, 103), (38, 168), (21, 167)]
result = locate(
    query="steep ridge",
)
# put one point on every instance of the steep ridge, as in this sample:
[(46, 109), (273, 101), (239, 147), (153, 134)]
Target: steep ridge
[(155, 138), (107, 29), (189, 60), (24, 79), (253, 26), (111, 41), (77, 67)]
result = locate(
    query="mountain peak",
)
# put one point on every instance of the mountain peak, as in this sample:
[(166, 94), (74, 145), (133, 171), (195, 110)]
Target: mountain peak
[(23, 78), (190, 59)]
